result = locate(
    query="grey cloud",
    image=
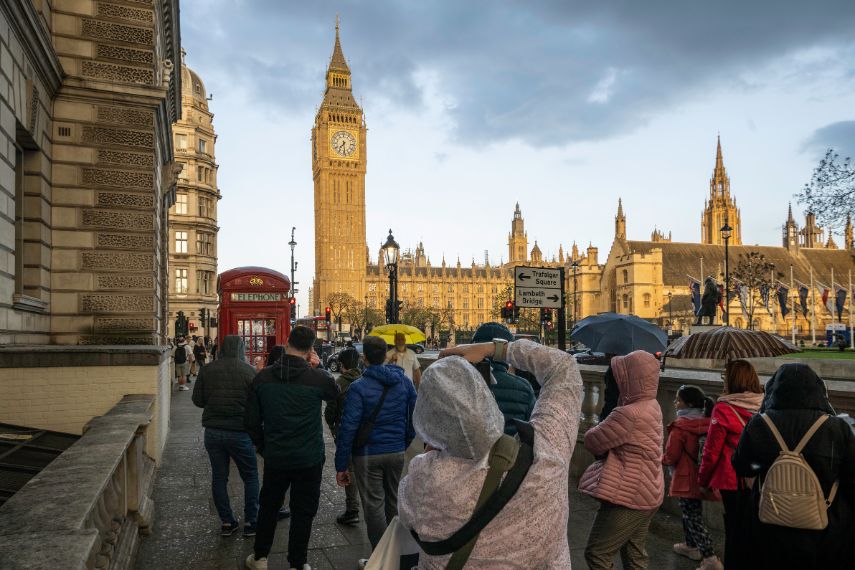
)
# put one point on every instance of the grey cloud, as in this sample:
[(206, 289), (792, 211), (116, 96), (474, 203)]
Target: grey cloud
[(840, 136), (528, 71)]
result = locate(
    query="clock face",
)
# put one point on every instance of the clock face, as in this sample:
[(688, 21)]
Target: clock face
[(343, 143)]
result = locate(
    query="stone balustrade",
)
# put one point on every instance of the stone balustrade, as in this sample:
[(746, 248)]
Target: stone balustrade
[(87, 508)]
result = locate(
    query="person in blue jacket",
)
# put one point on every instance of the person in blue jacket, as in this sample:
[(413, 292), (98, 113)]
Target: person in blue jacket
[(377, 465)]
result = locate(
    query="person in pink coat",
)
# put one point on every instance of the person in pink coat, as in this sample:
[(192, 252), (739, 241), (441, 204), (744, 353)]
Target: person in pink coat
[(627, 476)]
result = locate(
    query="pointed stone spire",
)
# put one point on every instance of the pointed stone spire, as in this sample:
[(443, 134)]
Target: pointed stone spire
[(848, 238), (337, 61), (560, 254), (620, 221), (719, 161)]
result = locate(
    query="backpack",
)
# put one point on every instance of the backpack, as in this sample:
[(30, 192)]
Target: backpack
[(790, 494), (180, 354)]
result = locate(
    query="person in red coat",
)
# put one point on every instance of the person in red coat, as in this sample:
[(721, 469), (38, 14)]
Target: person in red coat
[(740, 400), (682, 455)]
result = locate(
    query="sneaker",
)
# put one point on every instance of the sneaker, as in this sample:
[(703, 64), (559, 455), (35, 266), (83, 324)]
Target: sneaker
[(711, 563), (249, 530), (228, 529), (305, 567), (183, 388), (284, 513), (348, 517), (363, 562), (690, 552), (252, 564)]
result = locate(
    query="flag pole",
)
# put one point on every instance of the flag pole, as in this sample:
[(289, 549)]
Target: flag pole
[(794, 303), (832, 292), (813, 309), (849, 294)]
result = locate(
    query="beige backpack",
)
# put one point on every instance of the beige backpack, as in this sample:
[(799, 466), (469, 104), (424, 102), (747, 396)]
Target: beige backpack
[(790, 494)]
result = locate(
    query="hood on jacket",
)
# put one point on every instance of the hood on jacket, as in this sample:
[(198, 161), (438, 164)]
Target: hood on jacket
[(386, 374), (455, 411), (233, 347), (692, 424), (636, 375), (796, 387), (750, 401)]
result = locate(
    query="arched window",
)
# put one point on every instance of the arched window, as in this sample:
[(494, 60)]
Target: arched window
[(625, 276)]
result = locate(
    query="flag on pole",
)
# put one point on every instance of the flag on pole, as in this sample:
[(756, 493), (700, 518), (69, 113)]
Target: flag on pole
[(783, 292), (840, 301), (764, 296), (827, 299), (695, 291), (742, 290), (803, 295)]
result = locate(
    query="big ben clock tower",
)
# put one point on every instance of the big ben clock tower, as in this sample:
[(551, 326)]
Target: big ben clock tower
[(338, 170)]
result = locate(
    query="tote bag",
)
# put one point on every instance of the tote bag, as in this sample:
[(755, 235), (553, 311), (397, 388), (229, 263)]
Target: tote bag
[(397, 550)]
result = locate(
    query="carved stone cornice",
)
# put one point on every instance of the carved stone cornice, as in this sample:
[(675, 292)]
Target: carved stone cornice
[(36, 41)]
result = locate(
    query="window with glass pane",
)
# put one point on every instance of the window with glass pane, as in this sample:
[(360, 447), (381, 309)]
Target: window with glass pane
[(200, 173), (182, 141), (181, 285), (180, 242), (181, 203), (203, 243), (204, 207), (259, 336), (203, 282), (203, 146)]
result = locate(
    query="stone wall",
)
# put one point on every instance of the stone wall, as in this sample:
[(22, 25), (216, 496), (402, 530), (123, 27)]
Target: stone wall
[(63, 388)]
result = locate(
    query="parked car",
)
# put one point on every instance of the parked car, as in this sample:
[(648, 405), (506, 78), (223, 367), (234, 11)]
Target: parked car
[(332, 363), (591, 357), (417, 348)]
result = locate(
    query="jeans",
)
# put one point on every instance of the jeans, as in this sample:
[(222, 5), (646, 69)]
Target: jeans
[(377, 477), (223, 445), (351, 493), (305, 494)]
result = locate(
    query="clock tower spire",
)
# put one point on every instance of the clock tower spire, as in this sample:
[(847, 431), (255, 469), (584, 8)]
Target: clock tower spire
[(338, 171)]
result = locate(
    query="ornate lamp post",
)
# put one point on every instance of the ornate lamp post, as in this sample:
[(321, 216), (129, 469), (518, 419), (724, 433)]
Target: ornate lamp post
[(726, 232), (391, 249), (575, 267)]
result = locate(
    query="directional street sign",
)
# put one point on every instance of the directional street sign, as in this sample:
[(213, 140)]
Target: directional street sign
[(538, 287)]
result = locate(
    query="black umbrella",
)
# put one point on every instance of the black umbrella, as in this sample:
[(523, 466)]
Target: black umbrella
[(612, 333)]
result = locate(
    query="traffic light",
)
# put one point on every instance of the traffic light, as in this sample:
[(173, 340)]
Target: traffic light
[(516, 315), (389, 318), (203, 314), (328, 315), (508, 311), (293, 307), (546, 315)]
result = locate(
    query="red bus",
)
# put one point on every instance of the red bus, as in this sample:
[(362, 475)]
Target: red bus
[(254, 305), (317, 324)]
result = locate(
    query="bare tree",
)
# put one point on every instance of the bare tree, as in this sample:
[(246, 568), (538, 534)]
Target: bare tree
[(339, 303), (830, 194), (751, 275)]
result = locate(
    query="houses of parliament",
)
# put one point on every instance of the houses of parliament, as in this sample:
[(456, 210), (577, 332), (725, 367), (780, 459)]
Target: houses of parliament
[(648, 278)]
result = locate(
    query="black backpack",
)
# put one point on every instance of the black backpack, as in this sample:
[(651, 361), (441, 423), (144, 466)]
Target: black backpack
[(180, 355)]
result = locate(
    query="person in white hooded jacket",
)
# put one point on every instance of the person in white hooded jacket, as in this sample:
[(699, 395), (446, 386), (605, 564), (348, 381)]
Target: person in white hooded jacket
[(457, 417)]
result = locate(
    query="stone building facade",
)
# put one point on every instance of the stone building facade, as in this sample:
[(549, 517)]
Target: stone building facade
[(343, 262), (651, 278), (193, 218), (88, 92)]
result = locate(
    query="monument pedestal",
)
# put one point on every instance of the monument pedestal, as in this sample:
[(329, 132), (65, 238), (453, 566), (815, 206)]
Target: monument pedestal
[(702, 328)]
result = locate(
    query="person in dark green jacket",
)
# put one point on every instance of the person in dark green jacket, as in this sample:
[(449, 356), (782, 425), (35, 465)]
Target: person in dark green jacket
[(221, 389), (283, 417), (349, 361), (514, 395)]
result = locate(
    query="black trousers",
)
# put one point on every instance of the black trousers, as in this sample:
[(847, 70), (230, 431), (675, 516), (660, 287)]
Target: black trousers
[(737, 529), (305, 485)]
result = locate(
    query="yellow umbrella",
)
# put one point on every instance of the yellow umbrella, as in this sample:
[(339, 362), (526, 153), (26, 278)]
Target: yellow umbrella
[(412, 335)]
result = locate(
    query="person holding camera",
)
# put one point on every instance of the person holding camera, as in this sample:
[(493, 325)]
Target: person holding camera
[(459, 420)]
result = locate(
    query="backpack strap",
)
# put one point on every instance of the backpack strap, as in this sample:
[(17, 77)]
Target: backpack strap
[(809, 434), (738, 415), (781, 443), (490, 502)]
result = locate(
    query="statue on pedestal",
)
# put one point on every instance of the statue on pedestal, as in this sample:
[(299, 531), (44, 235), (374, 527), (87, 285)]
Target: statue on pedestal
[(709, 301)]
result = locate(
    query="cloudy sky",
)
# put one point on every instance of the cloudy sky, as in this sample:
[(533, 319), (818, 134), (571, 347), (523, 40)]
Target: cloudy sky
[(563, 106)]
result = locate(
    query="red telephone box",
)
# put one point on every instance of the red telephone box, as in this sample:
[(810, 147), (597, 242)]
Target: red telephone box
[(254, 305)]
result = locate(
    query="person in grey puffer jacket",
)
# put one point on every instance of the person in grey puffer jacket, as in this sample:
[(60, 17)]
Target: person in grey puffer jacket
[(514, 395), (222, 388)]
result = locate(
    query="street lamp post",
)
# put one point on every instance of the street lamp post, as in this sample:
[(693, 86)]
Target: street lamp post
[(365, 320), (391, 249), (293, 243), (575, 267), (726, 233), (670, 314)]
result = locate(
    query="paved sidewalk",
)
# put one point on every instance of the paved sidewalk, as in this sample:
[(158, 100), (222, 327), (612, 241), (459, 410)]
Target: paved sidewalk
[(186, 528)]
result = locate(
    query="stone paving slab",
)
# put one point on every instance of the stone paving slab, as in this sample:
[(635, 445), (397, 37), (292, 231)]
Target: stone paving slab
[(186, 529)]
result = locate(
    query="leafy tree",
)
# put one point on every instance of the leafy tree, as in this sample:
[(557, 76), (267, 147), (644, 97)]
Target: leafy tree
[(339, 304), (830, 194), (753, 273)]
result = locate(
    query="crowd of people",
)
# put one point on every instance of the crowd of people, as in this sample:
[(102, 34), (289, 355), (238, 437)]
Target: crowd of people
[(472, 456)]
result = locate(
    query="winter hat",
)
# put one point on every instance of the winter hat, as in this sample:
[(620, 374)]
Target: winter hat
[(489, 331), (455, 411)]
